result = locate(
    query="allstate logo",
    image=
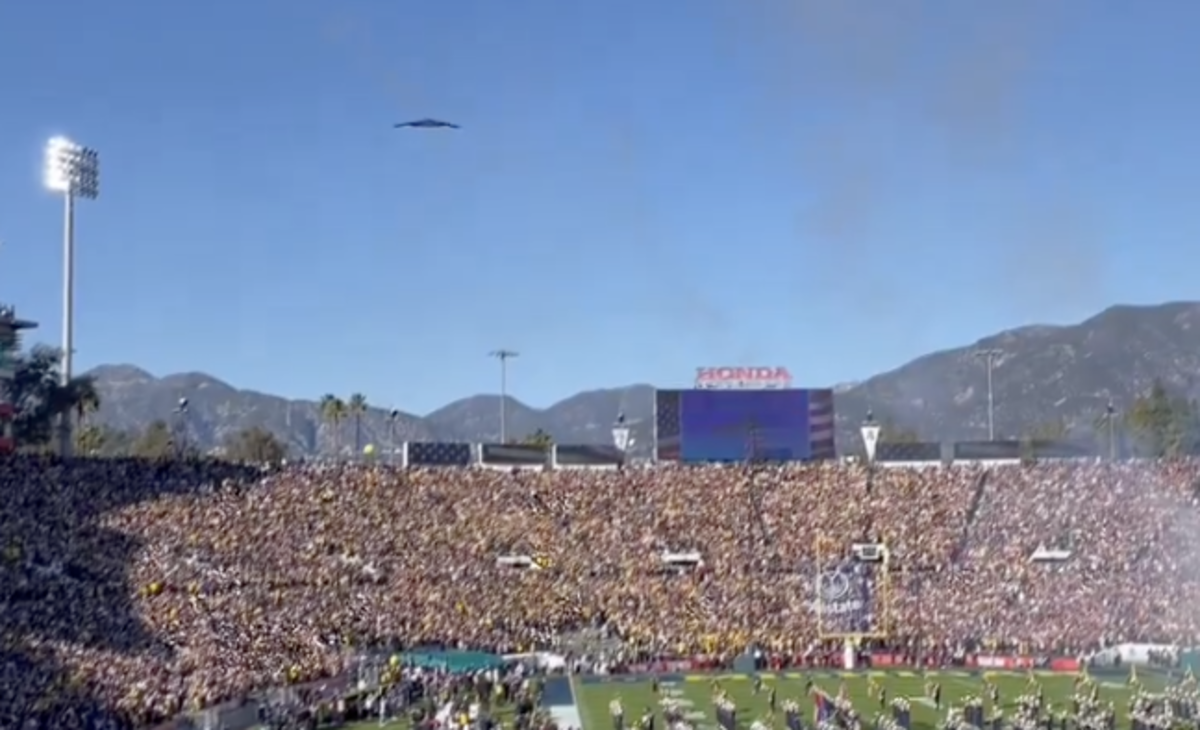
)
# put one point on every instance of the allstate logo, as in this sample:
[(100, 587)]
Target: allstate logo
[(833, 586)]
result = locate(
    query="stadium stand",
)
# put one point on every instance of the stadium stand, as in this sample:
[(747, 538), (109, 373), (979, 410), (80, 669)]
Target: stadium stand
[(136, 590)]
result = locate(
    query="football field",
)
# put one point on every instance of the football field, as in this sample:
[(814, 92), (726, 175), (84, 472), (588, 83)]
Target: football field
[(694, 694)]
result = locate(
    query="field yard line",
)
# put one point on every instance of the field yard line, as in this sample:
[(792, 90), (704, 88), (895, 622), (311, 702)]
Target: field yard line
[(970, 683)]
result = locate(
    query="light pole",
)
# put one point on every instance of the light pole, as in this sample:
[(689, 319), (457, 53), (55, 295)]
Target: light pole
[(1110, 415), (989, 357), (504, 356), (73, 171), (392, 416), (181, 427)]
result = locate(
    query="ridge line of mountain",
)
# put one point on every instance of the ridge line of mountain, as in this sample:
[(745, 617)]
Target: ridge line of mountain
[(1047, 373)]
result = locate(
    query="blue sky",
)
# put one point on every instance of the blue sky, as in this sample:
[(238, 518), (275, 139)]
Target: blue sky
[(638, 188)]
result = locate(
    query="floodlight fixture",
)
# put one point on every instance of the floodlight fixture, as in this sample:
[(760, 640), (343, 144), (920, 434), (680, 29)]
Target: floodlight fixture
[(72, 169)]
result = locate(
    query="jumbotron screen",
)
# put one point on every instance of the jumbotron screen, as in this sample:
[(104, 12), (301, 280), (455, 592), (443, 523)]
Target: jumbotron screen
[(739, 425)]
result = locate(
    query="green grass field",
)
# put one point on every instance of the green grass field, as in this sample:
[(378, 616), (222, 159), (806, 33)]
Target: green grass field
[(593, 697)]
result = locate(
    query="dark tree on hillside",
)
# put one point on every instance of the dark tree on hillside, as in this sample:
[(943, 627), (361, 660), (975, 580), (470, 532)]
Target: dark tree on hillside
[(1055, 429), (357, 407), (891, 432), (100, 440), (255, 445), (155, 442), (1163, 426), (538, 438), (40, 398)]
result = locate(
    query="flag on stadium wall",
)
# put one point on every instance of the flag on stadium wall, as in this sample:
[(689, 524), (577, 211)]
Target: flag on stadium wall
[(821, 424), (668, 423)]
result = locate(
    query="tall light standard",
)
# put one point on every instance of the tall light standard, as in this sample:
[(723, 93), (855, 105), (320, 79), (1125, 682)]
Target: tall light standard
[(74, 171), (393, 416), (181, 426), (1110, 417), (504, 356), (989, 357)]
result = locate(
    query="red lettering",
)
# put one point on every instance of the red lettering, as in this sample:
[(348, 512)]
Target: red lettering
[(727, 374)]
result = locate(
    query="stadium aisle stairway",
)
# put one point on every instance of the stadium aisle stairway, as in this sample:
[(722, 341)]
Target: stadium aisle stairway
[(972, 512)]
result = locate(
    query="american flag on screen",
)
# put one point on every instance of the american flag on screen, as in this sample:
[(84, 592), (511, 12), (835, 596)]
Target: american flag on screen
[(821, 425), (668, 425)]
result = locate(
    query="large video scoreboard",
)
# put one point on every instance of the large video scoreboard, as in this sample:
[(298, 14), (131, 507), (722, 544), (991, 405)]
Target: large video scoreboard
[(704, 425)]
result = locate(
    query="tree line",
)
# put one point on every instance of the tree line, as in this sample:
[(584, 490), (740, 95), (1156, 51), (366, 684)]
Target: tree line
[(41, 399), (1157, 424)]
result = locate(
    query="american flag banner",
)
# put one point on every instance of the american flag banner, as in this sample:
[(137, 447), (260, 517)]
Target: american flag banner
[(821, 426), (427, 453), (823, 708), (668, 424)]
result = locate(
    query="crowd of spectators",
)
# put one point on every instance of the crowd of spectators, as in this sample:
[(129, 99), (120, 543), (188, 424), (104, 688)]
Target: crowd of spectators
[(149, 589)]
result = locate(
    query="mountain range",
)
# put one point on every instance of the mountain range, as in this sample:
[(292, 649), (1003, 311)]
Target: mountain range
[(1041, 374)]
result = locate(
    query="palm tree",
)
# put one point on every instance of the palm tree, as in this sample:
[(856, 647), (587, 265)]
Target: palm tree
[(85, 398), (357, 409), (333, 410)]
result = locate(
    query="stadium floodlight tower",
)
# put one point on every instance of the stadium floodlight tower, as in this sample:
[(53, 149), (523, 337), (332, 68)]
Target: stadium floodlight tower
[(74, 171), (504, 356), (10, 344), (1110, 420), (989, 356)]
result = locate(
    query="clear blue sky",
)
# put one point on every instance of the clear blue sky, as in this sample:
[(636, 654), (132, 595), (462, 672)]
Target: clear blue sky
[(639, 187)]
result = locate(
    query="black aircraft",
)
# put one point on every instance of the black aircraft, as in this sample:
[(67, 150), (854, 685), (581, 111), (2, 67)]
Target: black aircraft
[(426, 124)]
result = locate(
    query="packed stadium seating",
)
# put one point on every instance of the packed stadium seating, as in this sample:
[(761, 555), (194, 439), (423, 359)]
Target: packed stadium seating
[(147, 589)]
